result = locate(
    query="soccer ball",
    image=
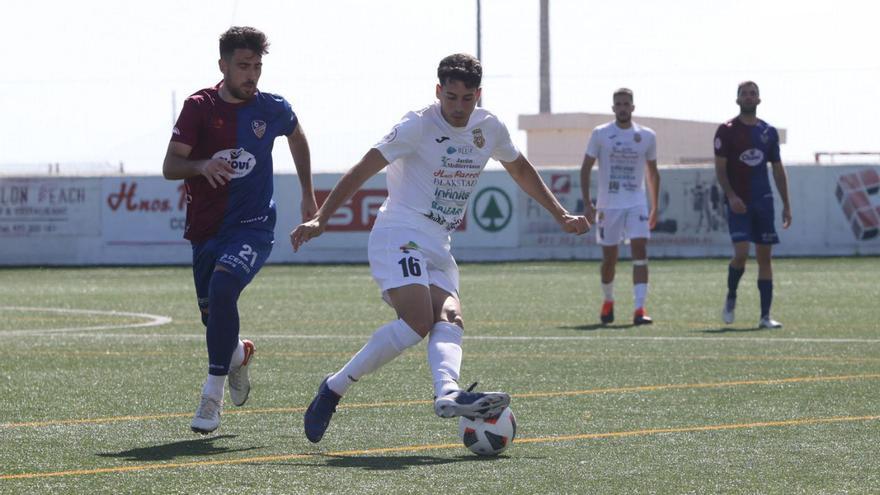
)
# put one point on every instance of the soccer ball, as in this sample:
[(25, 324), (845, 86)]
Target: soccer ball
[(488, 436)]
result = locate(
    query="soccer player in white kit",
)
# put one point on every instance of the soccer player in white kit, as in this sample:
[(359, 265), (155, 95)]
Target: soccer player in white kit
[(625, 151), (434, 157)]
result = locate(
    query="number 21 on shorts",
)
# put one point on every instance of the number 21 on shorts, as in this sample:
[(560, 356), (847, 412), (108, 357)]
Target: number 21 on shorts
[(248, 254)]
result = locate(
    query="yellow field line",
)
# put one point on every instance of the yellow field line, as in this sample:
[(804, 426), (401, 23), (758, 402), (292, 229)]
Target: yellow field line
[(367, 405), (421, 448)]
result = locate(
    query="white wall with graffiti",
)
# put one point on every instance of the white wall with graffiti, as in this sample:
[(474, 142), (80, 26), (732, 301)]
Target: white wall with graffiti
[(140, 220)]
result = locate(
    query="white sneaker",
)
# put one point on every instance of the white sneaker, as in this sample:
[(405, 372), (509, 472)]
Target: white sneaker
[(727, 314), (238, 378), (769, 323), (207, 418)]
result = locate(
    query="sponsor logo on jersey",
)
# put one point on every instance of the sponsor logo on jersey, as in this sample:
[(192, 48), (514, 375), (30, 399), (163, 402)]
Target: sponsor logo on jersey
[(752, 157), (441, 139), (479, 140), (464, 150), (259, 128), (242, 162)]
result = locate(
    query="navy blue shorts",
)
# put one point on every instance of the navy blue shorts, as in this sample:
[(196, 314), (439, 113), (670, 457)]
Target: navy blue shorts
[(756, 224), (241, 251)]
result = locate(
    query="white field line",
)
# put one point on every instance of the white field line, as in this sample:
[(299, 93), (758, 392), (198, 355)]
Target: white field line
[(152, 320), (157, 320)]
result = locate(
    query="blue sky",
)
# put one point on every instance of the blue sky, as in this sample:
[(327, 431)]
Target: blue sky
[(92, 81)]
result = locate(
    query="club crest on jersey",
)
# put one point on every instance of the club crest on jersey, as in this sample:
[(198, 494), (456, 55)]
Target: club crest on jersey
[(637, 138), (241, 160), (259, 128), (479, 140), (764, 137)]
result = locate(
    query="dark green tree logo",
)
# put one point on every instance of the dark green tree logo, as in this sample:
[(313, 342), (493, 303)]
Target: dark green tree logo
[(492, 209)]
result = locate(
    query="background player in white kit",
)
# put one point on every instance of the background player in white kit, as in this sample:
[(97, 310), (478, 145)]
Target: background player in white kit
[(434, 156), (625, 150)]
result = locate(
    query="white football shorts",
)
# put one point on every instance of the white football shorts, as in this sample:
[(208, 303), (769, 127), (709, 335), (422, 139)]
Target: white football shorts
[(403, 256), (617, 224)]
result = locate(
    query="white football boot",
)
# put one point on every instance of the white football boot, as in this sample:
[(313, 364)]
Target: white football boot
[(238, 377), (207, 418), (768, 322), (727, 314)]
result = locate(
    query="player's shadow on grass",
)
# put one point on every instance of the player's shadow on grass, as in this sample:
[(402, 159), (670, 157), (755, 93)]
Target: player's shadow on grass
[(170, 451), (730, 329), (596, 326), (398, 463)]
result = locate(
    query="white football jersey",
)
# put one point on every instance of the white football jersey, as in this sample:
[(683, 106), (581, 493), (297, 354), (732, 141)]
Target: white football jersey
[(434, 167), (622, 154)]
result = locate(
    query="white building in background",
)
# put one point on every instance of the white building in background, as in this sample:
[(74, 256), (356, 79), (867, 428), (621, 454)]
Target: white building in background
[(559, 139)]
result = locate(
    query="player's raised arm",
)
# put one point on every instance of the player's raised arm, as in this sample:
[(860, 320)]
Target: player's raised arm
[(525, 175), (369, 166), (302, 160), (177, 165)]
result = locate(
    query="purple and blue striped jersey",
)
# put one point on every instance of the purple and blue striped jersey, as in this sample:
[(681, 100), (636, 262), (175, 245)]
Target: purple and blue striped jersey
[(242, 134)]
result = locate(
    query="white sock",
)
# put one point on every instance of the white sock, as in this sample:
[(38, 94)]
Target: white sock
[(237, 356), (444, 357), (640, 293), (608, 290), (213, 386), (386, 343)]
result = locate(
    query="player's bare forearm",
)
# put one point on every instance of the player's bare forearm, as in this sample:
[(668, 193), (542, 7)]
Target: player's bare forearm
[(369, 166), (721, 175), (302, 159), (653, 184), (177, 165), (527, 178), (586, 170), (781, 180)]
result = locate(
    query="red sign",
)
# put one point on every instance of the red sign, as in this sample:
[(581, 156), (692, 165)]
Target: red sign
[(358, 214)]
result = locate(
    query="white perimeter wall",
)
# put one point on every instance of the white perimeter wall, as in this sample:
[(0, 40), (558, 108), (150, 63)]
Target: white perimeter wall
[(139, 220)]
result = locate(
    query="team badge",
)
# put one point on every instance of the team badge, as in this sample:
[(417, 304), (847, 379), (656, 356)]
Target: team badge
[(764, 137), (637, 138), (259, 128), (479, 140)]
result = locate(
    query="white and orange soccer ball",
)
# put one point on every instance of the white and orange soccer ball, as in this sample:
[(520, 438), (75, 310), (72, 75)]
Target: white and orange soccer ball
[(489, 436)]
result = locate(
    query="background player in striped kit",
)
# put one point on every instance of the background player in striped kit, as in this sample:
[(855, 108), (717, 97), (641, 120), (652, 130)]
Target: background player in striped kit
[(743, 147)]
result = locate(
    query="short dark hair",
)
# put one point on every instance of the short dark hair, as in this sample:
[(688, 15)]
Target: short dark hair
[(460, 67), (244, 37), (747, 83), (623, 91)]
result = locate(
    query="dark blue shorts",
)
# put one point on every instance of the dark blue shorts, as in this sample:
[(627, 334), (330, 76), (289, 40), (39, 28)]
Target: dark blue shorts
[(241, 251), (755, 225)]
